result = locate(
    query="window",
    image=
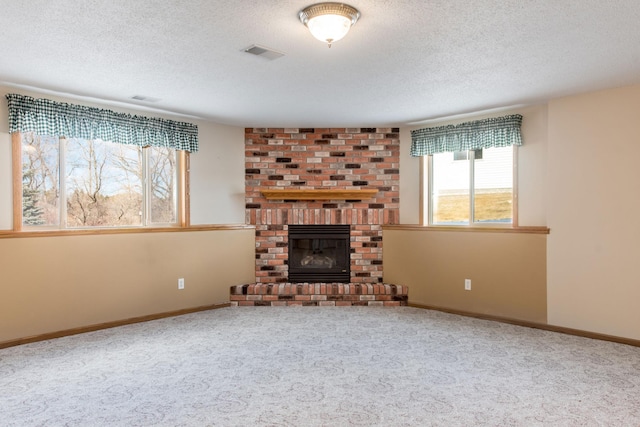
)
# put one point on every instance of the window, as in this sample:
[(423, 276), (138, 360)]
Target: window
[(470, 171), (464, 155), (86, 167), (472, 190), (78, 183)]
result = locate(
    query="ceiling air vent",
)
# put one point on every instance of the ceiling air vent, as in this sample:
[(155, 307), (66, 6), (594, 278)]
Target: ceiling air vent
[(144, 98), (264, 52)]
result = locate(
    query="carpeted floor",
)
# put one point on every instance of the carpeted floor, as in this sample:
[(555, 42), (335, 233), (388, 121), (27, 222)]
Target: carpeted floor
[(320, 366)]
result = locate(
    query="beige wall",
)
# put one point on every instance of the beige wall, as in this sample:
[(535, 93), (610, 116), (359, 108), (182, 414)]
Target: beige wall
[(579, 175), (434, 264), (507, 270), (56, 283), (594, 200), (77, 281)]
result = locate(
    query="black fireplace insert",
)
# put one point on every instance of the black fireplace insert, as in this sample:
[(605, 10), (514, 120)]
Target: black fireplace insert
[(319, 253)]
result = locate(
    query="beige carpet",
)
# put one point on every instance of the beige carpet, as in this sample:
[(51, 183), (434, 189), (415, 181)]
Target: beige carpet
[(320, 366)]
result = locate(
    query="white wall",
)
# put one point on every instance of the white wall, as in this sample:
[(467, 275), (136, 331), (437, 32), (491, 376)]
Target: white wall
[(6, 185), (532, 167), (594, 200), (409, 181), (217, 169), (217, 176)]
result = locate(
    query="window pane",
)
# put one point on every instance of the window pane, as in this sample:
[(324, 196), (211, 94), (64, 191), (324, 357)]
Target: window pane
[(162, 175), (493, 182), (40, 184), (460, 155), (103, 184), (464, 155), (450, 197)]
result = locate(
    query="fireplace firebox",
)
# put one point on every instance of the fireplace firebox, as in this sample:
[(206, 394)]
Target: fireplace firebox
[(319, 253)]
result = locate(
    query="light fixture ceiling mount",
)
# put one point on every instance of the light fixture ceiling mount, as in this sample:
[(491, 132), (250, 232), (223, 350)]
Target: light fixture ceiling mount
[(329, 22)]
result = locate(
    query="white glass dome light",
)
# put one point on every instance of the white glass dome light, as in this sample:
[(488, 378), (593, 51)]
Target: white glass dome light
[(329, 22)]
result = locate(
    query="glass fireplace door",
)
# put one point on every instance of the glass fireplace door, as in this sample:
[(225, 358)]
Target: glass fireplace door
[(319, 253)]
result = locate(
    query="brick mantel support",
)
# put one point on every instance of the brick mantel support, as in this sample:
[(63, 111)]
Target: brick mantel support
[(341, 159)]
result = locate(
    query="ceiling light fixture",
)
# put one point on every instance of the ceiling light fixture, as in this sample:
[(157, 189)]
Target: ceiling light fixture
[(329, 22)]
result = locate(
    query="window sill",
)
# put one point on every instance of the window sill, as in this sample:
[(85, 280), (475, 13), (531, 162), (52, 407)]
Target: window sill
[(467, 229), (4, 234)]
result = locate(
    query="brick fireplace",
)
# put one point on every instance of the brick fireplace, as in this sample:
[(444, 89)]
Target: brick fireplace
[(328, 159), (360, 168)]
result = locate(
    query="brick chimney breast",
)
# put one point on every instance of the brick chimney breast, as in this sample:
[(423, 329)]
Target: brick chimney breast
[(314, 158)]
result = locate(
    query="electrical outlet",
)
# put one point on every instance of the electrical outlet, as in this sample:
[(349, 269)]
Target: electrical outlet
[(180, 283), (467, 284)]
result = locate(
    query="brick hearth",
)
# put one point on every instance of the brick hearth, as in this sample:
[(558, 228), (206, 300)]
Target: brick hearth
[(345, 158), (318, 294)]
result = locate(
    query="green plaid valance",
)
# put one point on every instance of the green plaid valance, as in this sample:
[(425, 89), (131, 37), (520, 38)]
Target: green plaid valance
[(487, 133), (47, 117)]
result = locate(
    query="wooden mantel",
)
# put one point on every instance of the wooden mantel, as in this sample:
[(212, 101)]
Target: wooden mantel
[(318, 194)]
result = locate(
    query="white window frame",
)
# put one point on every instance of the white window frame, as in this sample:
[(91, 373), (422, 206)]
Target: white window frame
[(180, 194), (426, 180)]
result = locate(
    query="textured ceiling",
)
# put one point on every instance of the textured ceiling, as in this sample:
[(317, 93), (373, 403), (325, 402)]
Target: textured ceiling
[(404, 61)]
